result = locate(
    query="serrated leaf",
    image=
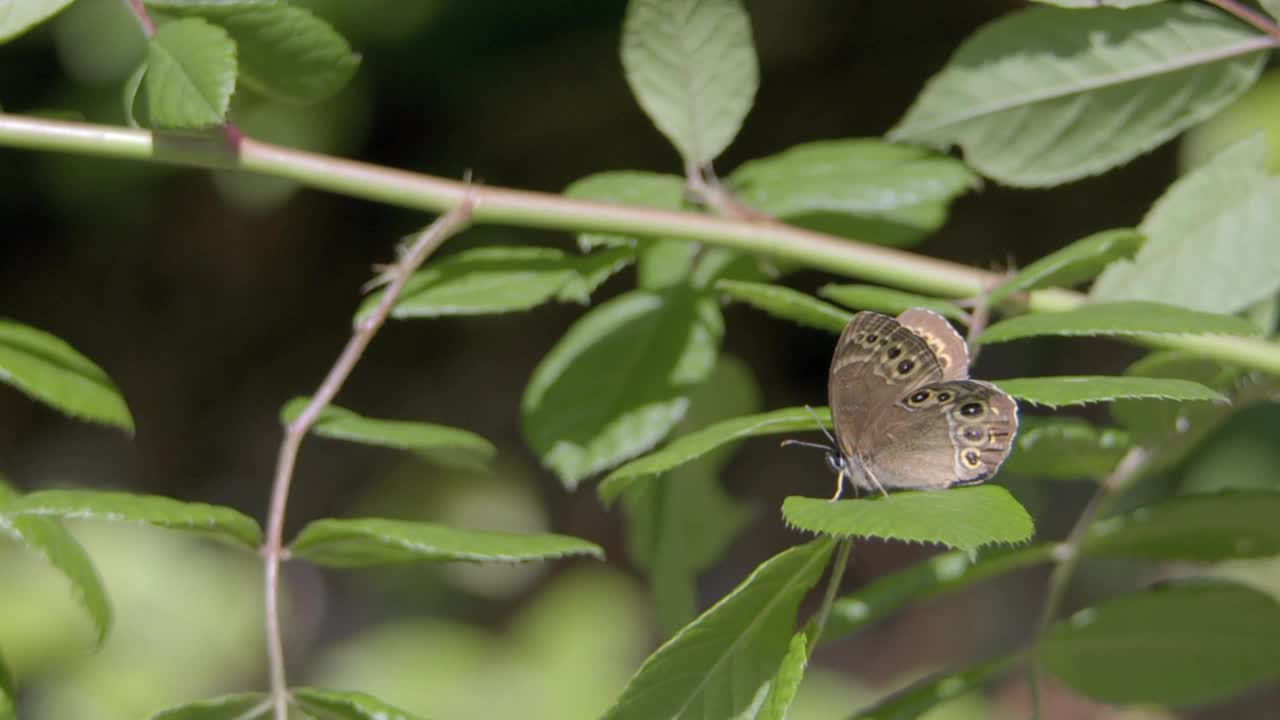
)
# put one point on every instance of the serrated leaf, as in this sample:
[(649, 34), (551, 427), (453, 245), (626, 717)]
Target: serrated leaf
[(906, 189), (930, 578), (500, 280), (884, 300), (213, 521), (919, 697), (1065, 448), (1152, 422), (51, 371), (1210, 239), (191, 75), (1047, 95), (60, 549), (689, 447), (237, 706), (347, 705), (788, 304), (1074, 264), (284, 52), (364, 542), (787, 681), (19, 16), (1177, 644), (715, 666), (447, 445), (617, 382), (964, 518), (1200, 528), (692, 66), (8, 693), (1141, 319), (626, 187), (1083, 389)]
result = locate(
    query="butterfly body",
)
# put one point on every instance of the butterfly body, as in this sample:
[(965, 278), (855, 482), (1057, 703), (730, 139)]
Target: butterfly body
[(906, 414)]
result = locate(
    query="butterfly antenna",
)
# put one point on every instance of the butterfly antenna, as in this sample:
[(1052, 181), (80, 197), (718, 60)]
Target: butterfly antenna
[(804, 443), (821, 427)]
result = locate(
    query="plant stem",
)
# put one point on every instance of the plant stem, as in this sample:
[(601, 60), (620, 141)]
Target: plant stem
[(884, 265), (1249, 15), (829, 597), (273, 551)]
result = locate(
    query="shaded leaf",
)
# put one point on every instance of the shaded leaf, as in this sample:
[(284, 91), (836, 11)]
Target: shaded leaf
[(788, 304), (1047, 95), (689, 447), (346, 705), (1078, 262), (364, 542), (884, 300), (213, 521), (618, 381), (1176, 644), (19, 16), (1201, 528), (626, 187), (919, 697), (492, 280), (785, 684), (446, 445), (1152, 422), (663, 263), (905, 188), (1141, 319), (1064, 448), (692, 66), (52, 372), (716, 666), (237, 706), (1210, 239), (964, 518), (8, 693), (191, 74), (1084, 389), (64, 553)]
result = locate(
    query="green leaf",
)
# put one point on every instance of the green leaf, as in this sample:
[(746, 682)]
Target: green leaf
[(52, 372), (785, 684), (930, 578), (1271, 6), (692, 66), (788, 304), (1152, 422), (191, 75), (918, 698), (214, 521), (687, 448), (1141, 319), (664, 263), (499, 280), (716, 666), (447, 445), (617, 382), (237, 706), (1084, 389), (964, 518), (346, 705), (884, 300), (1065, 448), (19, 16), (1199, 528), (1210, 239), (1046, 95), (285, 52), (626, 187), (8, 693), (60, 549), (905, 189), (1078, 262), (364, 542), (1177, 644)]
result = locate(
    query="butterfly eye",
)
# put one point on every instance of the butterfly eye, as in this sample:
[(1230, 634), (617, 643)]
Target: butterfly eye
[(919, 397), (972, 409), (971, 458), (944, 396), (905, 367)]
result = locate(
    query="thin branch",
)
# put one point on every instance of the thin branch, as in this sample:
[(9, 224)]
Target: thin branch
[(273, 549), (1249, 15), (829, 598), (888, 266), (140, 14)]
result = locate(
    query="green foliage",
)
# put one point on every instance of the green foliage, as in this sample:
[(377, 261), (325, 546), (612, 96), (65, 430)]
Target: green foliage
[(7, 693), (333, 705), (60, 549), (913, 701), (962, 518), (52, 372), (884, 300), (1078, 262), (664, 192), (18, 17), (1065, 448), (787, 304), (191, 75), (1200, 528), (239, 706), (1119, 318), (783, 689), (1062, 391)]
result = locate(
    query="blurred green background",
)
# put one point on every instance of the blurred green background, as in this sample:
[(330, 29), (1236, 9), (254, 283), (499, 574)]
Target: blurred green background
[(212, 298)]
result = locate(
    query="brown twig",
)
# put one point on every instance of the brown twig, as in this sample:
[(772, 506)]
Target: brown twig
[(144, 20), (1249, 15), (273, 551)]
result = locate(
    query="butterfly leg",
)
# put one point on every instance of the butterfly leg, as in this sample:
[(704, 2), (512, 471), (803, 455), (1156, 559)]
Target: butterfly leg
[(839, 485), (867, 473)]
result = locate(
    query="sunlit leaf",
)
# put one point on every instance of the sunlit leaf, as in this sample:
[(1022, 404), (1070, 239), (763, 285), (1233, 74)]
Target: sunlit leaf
[(1201, 528), (346, 705), (238, 706), (716, 666), (963, 518), (1078, 262), (363, 542), (64, 553), (1084, 389), (441, 443), (19, 16), (788, 304), (692, 66), (52, 372), (785, 684), (1065, 448), (884, 300), (191, 74), (1047, 95), (1141, 319), (1177, 644)]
